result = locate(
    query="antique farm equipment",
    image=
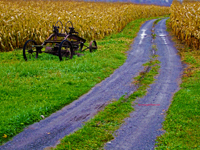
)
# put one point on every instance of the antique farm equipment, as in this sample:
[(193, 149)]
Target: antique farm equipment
[(64, 45)]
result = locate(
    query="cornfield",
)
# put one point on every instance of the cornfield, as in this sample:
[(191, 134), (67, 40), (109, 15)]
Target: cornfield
[(22, 20), (185, 22)]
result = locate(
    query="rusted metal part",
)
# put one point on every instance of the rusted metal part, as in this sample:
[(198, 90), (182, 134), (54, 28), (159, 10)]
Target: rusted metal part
[(60, 44), (93, 46)]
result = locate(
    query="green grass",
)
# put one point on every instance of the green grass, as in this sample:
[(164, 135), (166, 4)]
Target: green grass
[(44, 85), (183, 117), (99, 130)]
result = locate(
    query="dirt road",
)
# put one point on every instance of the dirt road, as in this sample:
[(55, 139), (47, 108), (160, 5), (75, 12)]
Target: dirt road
[(48, 131), (142, 128)]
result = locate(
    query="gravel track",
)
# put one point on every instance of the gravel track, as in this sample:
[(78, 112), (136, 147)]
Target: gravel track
[(145, 123), (47, 132)]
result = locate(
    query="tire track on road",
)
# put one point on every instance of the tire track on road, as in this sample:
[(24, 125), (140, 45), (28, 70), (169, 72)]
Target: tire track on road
[(145, 123)]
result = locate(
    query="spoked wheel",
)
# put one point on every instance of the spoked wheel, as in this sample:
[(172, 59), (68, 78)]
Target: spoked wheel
[(93, 46), (65, 50), (29, 51)]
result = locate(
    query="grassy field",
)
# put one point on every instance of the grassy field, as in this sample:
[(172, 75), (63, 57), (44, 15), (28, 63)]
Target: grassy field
[(44, 85), (40, 87), (183, 116)]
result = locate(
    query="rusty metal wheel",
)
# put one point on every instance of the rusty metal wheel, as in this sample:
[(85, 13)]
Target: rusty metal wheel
[(65, 50), (93, 46), (29, 51)]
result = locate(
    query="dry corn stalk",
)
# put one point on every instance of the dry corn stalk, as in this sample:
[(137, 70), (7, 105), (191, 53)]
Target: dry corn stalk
[(23, 20), (185, 22)]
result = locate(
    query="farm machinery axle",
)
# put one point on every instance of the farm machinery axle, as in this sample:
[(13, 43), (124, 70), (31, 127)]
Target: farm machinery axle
[(61, 44)]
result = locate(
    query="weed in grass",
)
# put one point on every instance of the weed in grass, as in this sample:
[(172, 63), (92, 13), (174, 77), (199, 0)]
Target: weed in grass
[(156, 22), (154, 35), (154, 47)]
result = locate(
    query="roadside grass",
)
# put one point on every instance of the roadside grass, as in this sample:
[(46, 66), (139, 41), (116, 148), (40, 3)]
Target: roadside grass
[(44, 85), (183, 117), (100, 129)]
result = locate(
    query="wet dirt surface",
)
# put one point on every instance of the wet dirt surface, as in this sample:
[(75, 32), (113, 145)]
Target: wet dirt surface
[(145, 123), (47, 132)]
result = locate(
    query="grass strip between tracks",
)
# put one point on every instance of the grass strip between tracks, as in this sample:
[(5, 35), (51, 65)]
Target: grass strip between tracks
[(36, 88), (99, 130), (183, 117)]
